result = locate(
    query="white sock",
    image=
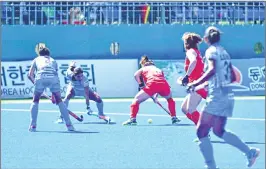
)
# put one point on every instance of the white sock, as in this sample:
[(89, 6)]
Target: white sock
[(235, 141), (66, 102), (64, 113), (100, 108), (207, 151), (34, 113)]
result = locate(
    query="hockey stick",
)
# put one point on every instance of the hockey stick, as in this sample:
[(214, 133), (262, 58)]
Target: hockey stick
[(158, 103), (105, 118), (167, 111), (80, 119)]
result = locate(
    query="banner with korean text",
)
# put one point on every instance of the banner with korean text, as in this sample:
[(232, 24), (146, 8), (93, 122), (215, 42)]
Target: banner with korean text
[(110, 78), (250, 76)]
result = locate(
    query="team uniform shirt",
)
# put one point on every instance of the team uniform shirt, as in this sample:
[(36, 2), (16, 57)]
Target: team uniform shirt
[(152, 74), (199, 68), (45, 66), (222, 77), (46, 75), (155, 81), (76, 88), (220, 98), (197, 72)]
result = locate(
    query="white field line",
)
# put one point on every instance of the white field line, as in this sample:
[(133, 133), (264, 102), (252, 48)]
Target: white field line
[(122, 100), (125, 114)]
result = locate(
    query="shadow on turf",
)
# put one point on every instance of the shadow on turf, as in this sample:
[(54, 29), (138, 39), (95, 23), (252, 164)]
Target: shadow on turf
[(111, 123), (68, 132), (247, 142), (173, 125)]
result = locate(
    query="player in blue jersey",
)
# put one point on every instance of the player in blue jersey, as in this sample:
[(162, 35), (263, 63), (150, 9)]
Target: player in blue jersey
[(79, 86), (43, 74), (220, 101)]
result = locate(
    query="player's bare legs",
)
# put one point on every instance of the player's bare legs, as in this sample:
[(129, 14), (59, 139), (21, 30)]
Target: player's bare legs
[(92, 95), (35, 105), (96, 98), (189, 106)]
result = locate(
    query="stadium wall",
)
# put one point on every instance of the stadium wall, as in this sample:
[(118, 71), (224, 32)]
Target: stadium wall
[(94, 42)]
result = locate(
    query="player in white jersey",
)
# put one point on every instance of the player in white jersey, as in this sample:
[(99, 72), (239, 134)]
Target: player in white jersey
[(220, 101), (79, 86), (46, 77)]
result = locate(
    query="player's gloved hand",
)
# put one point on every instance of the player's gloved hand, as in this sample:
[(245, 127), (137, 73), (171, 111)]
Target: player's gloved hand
[(190, 87), (89, 111), (142, 85), (185, 80)]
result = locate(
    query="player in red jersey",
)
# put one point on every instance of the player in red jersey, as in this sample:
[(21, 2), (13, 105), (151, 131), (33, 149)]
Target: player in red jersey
[(194, 68), (155, 83)]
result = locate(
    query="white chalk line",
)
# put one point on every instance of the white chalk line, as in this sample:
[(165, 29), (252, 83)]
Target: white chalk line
[(125, 114), (123, 100)]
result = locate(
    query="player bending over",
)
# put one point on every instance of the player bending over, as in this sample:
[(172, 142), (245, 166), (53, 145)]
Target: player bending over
[(220, 101), (194, 69), (155, 82), (79, 86), (46, 76)]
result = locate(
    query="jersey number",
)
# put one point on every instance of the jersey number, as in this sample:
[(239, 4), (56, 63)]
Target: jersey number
[(227, 71)]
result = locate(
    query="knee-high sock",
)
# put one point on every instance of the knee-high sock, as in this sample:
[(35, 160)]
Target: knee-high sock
[(100, 108), (66, 102), (134, 108), (207, 151), (34, 113), (64, 113), (235, 141), (189, 116), (195, 117), (171, 107)]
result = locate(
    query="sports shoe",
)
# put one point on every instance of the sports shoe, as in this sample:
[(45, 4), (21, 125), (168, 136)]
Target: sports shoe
[(32, 128), (70, 127), (106, 119), (175, 120), (252, 156), (130, 122), (211, 167), (60, 120)]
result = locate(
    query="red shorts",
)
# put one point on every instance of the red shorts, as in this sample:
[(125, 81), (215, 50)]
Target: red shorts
[(162, 89), (203, 93)]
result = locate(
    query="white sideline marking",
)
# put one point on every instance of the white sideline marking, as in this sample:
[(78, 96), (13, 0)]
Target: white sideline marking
[(122, 100), (124, 114)]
